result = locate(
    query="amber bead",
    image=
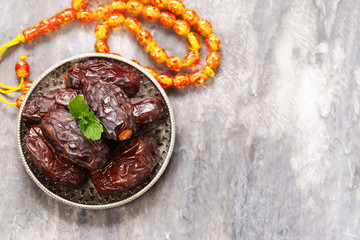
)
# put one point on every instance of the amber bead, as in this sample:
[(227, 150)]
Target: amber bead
[(102, 30), (19, 101), (164, 79), (43, 26), (174, 63), (150, 12), (193, 41), (191, 59), (151, 70), (101, 46), (160, 3), (181, 27), (132, 24), (54, 22), (198, 77), (158, 54), (145, 1), (26, 86), (66, 16), (85, 16), (213, 42), (209, 71), (115, 20), (190, 16), (133, 60), (30, 33), (134, 7), (204, 27), (144, 37), (22, 68), (78, 4), (213, 59), (176, 7), (101, 12), (150, 46), (118, 6), (181, 80), (167, 19)]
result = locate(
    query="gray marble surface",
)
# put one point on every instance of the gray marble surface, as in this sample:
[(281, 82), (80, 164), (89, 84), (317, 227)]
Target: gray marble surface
[(267, 149)]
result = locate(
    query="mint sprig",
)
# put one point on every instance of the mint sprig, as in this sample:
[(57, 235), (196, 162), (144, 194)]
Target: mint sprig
[(89, 125)]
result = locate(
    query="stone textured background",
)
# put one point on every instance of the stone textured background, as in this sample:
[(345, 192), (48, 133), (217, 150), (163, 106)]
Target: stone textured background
[(268, 149)]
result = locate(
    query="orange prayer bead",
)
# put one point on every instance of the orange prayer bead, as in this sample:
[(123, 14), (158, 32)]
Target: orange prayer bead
[(30, 33), (167, 19), (115, 20), (158, 54), (43, 26), (174, 63), (213, 42), (198, 77), (54, 22), (145, 1), (78, 4), (134, 7), (132, 24), (22, 68), (144, 37), (181, 80), (118, 6), (176, 7), (102, 30), (151, 70), (213, 59), (85, 16), (204, 27), (101, 12), (160, 3), (191, 59), (193, 41), (181, 27), (150, 12), (65, 16), (190, 16), (26, 86), (101, 46), (150, 46), (133, 60), (164, 79), (19, 101)]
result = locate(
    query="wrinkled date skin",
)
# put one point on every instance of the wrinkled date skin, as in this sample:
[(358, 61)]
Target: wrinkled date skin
[(50, 164), (131, 163), (39, 106), (112, 107), (61, 130), (148, 113), (106, 71)]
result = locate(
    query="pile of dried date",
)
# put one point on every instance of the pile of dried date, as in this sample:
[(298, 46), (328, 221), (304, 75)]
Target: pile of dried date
[(122, 158)]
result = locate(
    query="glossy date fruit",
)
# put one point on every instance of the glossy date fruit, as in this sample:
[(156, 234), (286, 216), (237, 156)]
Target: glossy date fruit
[(106, 71), (130, 164), (50, 164), (148, 112), (61, 130), (39, 106), (112, 107)]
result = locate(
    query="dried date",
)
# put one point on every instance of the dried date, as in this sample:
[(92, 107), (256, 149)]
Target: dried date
[(106, 71), (40, 105), (130, 164), (61, 130), (148, 112), (112, 107), (50, 164)]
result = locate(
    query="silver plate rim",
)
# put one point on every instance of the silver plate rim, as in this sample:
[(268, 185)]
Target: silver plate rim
[(109, 205)]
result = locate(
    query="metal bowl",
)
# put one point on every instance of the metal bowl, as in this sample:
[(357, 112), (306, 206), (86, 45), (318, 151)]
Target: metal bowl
[(87, 197)]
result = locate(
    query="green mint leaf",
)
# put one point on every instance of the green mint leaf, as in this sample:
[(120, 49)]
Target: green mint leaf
[(78, 107), (91, 127)]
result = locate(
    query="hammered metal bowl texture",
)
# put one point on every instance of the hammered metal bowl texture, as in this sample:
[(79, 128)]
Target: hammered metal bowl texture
[(87, 197)]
